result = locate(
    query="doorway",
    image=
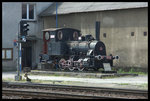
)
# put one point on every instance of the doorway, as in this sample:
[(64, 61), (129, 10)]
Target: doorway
[(27, 54)]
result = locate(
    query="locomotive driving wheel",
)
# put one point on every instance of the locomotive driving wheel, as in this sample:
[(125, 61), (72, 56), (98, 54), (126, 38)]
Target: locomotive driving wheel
[(62, 64), (80, 67), (70, 67)]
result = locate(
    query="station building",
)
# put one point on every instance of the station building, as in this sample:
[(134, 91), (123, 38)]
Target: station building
[(12, 14), (123, 29)]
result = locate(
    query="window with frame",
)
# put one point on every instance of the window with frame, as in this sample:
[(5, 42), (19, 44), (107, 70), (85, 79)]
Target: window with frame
[(28, 11), (7, 53)]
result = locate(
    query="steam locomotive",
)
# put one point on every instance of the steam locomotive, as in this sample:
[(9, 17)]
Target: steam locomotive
[(66, 48)]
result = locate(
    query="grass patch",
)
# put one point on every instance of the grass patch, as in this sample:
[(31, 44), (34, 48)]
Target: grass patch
[(144, 85), (135, 86), (13, 80), (109, 77), (124, 84), (131, 71)]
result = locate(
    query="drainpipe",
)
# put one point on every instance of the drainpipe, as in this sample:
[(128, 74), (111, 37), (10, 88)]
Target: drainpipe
[(56, 16)]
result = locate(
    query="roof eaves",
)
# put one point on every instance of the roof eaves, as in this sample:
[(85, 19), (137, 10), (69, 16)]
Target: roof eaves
[(52, 10)]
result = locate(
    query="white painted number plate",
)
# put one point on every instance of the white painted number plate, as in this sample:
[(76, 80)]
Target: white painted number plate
[(52, 36)]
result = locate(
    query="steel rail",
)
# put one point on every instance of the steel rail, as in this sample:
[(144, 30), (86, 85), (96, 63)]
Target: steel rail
[(49, 95), (116, 91), (74, 87)]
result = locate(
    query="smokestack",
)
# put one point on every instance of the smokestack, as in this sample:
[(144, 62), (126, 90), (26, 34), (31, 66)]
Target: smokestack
[(97, 30), (56, 16)]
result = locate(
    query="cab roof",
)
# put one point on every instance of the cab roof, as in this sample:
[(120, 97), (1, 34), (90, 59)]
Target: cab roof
[(55, 29)]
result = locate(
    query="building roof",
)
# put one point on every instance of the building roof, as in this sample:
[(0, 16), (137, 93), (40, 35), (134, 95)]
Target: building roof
[(51, 29), (75, 7)]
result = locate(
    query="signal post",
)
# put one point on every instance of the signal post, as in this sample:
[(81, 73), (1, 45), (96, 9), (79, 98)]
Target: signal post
[(21, 38)]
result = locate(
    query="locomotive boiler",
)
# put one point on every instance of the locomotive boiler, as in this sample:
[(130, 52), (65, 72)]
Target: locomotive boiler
[(66, 48)]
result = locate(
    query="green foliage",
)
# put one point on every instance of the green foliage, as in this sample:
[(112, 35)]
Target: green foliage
[(124, 84), (100, 69), (144, 85), (132, 71)]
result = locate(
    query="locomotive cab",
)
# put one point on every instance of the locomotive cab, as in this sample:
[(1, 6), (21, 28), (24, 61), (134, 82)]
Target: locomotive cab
[(61, 34), (55, 40)]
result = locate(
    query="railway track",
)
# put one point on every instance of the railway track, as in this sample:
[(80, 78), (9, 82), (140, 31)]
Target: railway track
[(66, 91), (49, 95)]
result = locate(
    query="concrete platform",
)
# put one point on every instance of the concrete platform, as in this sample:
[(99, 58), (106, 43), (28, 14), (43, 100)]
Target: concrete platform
[(81, 74)]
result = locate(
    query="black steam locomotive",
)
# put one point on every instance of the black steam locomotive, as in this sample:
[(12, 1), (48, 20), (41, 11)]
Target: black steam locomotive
[(66, 48)]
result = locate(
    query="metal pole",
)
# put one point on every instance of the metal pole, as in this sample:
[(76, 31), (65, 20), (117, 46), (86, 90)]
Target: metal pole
[(18, 53), (56, 15), (17, 64), (20, 63), (18, 77)]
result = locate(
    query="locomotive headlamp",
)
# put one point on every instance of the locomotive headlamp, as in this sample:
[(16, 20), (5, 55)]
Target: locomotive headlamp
[(47, 35)]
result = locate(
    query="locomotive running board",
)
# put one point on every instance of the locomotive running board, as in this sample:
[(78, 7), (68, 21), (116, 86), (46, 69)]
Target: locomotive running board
[(107, 68)]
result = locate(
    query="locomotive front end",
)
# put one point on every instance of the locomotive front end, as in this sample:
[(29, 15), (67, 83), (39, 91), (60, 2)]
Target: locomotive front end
[(92, 54)]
